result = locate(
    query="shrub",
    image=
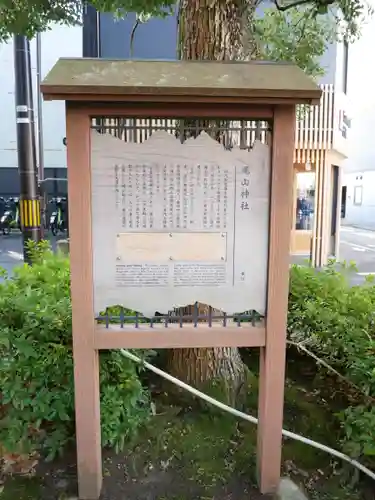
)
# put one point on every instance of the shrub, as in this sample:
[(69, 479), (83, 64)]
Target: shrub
[(36, 365), (336, 322)]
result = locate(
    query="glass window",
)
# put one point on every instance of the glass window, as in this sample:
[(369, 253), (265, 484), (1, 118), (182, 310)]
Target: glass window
[(305, 201), (358, 191)]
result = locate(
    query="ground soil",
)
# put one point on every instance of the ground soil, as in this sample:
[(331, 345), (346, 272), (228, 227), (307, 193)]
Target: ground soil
[(59, 483), (144, 473), (190, 452)]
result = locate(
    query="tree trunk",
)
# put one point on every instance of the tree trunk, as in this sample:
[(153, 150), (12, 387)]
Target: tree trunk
[(211, 30)]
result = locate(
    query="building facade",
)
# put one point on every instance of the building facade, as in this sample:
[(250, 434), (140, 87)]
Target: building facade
[(321, 149), (58, 42), (358, 188), (321, 135), (324, 134)]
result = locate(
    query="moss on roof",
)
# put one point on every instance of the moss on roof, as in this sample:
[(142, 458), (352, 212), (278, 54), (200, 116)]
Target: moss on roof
[(211, 78)]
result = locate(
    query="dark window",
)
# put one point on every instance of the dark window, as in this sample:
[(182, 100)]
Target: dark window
[(345, 67), (90, 38)]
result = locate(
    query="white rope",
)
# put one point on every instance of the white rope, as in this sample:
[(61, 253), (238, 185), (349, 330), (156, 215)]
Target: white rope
[(244, 416)]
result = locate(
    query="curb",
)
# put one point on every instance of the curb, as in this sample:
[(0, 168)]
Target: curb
[(288, 490)]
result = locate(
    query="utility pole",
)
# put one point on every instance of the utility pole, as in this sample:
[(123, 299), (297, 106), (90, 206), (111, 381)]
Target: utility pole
[(42, 195), (29, 195)]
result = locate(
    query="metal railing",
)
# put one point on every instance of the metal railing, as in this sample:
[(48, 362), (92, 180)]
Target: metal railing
[(179, 317)]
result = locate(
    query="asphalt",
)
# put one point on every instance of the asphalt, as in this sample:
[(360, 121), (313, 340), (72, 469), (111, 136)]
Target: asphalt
[(11, 250), (357, 245)]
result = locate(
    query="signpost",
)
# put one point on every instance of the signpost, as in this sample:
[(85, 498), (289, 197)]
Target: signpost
[(166, 221)]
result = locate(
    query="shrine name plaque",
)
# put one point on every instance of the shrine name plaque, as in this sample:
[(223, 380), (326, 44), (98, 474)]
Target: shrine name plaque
[(175, 223)]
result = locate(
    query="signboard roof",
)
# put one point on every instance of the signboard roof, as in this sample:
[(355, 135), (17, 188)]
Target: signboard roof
[(254, 80)]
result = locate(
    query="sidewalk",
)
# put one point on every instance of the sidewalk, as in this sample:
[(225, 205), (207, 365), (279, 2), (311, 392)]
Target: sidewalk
[(300, 260), (358, 226)]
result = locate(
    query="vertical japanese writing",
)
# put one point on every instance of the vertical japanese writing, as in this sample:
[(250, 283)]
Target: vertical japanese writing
[(123, 197), (157, 179), (212, 185), (245, 193), (185, 197), (130, 196), (144, 197), (137, 198), (225, 199), (117, 190), (205, 197), (171, 174), (165, 197), (150, 183), (199, 176), (191, 182), (178, 196), (218, 198)]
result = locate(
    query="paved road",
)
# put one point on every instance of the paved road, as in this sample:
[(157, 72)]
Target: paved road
[(357, 245), (11, 250)]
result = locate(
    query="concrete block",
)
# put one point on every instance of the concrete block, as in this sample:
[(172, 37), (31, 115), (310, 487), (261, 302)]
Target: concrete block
[(63, 246), (288, 490)]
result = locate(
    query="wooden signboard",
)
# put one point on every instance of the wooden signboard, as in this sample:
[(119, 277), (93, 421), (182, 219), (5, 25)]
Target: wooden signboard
[(161, 222), (173, 223)]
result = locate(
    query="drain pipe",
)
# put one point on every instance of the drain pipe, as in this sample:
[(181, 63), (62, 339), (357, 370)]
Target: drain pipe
[(244, 416)]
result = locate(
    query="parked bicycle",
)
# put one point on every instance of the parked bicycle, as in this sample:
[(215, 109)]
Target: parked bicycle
[(58, 218), (10, 218), (3, 205)]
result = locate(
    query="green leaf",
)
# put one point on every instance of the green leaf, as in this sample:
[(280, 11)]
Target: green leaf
[(294, 36), (36, 365), (28, 17)]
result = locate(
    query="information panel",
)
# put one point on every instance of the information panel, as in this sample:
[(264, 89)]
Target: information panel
[(178, 223)]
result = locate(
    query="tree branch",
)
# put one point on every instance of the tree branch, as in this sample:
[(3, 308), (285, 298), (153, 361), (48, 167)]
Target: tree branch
[(300, 346), (297, 3), (132, 34)]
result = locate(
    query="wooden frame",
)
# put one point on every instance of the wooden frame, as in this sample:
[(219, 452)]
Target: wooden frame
[(169, 109), (272, 355), (145, 337), (86, 357), (89, 337)]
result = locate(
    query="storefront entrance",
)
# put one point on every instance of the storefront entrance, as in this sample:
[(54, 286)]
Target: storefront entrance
[(303, 210)]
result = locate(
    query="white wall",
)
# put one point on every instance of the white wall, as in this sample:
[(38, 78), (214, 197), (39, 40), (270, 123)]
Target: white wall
[(59, 42), (359, 168), (361, 97), (362, 214)]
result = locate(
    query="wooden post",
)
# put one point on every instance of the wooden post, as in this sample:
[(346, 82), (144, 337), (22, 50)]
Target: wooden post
[(272, 356), (86, 358), (293, 236), (338, 213)]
